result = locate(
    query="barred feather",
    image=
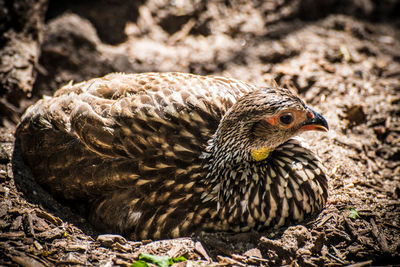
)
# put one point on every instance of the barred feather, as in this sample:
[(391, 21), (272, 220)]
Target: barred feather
[(165, 155)]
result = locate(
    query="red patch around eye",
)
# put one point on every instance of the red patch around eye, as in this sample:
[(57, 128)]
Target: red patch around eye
[(310, 115), (272, 120)]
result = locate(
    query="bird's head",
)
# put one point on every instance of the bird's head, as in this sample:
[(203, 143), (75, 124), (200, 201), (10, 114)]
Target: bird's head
[(264, 119)]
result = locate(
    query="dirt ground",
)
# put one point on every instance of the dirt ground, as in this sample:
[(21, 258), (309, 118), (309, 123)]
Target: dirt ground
[(342, 57)]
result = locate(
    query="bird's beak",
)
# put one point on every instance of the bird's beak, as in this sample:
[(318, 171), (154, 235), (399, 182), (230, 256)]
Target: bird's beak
[(314, 122)]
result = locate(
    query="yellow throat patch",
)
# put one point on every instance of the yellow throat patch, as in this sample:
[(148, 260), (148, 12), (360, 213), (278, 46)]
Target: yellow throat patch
[(260, 154)]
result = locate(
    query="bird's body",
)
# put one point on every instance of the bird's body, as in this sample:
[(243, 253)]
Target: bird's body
[(166, 155)]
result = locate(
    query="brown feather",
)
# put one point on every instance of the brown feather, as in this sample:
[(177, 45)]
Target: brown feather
[(154, 155)]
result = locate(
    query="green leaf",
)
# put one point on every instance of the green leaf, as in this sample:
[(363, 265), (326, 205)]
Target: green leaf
[(178, 259), (160, 261), (139, 263), (354, 214)]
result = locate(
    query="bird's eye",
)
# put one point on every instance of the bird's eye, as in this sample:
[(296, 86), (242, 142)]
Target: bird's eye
[(286, 118)]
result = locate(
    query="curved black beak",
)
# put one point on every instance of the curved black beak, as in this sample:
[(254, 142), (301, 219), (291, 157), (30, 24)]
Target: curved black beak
[(315, 122)]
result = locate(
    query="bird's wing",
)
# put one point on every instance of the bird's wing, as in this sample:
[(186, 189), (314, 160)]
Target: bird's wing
[(119, 130)]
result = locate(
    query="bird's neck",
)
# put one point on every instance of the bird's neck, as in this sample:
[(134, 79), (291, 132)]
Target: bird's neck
[(232, 176), (229, 170), (257, 193)]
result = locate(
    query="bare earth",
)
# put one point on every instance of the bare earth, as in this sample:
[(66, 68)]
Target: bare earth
[(344, 67)]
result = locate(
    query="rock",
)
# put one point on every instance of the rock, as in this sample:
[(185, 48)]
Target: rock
[(51, 234), (4, 207), (40, 225), (28, 225), (254, 252), (122, 248), (76, 247), (11, 235), (16, 224), (73, 258), (48, 217), (21, 33), (108, 240), (26, 261), (4, 224)]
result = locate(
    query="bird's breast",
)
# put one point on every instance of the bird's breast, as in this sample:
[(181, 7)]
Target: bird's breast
[(285, 187)]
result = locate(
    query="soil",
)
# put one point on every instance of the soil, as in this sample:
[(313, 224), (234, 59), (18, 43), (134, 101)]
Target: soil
[(342, 57)]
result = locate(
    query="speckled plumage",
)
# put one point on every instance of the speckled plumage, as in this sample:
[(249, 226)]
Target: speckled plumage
[(166, 155)]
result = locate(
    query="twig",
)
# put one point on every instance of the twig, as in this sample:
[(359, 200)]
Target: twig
[(336, 258), (229, 261), (361, 264), (379, 236), (351, 229), (339, 254), (183, 32), (202, 251), (324, 220), (391, 225)]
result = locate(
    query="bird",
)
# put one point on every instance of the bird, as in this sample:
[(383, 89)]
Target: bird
[(166, 155)]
